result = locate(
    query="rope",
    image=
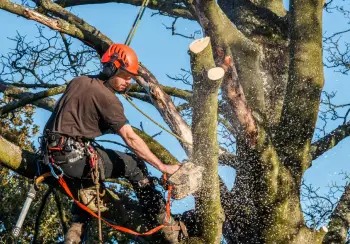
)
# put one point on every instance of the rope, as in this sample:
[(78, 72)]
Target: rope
[(148, 117), (96, 179), (136, 22), (116, 227)]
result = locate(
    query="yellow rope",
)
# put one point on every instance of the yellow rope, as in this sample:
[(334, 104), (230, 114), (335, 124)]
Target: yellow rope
[(138, 109)]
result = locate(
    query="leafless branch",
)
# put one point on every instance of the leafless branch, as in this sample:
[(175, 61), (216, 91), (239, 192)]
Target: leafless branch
[(174, 33), (329, 141)]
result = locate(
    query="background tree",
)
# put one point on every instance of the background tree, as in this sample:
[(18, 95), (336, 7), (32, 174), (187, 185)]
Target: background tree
[(268, 65)]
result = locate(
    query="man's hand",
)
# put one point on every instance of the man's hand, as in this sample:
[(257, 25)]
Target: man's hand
[(171, 169)]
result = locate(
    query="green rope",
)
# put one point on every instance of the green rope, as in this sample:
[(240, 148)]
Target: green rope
[(138, 109), (136, 22)]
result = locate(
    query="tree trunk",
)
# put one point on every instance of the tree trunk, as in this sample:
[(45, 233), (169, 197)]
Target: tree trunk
[(206, 84)]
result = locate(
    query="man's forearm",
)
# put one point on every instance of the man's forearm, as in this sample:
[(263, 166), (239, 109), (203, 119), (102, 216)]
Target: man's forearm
[(142, 151)]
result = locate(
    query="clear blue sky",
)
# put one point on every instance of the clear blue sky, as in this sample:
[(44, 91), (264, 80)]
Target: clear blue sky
[(165, 54)]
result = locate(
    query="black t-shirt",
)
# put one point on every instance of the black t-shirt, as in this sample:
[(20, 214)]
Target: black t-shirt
[(87, 109)]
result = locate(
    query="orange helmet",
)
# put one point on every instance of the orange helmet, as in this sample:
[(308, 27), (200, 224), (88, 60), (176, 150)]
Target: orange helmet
[(122, 57)]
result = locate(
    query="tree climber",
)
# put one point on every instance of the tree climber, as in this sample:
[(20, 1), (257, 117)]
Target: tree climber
[(88, 109)]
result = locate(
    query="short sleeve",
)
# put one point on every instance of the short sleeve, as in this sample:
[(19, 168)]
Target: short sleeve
[(112, 112)]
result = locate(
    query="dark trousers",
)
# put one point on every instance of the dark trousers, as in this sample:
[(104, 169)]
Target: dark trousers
[(119, 165)]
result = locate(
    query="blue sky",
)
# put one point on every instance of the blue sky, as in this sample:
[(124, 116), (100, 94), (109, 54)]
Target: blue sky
[(165, 54)]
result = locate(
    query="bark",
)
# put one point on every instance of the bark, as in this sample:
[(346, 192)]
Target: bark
[(204, 128), (275, 6), (269, 32), (339, 224)]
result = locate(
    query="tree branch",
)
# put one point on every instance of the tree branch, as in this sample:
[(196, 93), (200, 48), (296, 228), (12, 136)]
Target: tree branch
[(166, 7), (305, 81), (206, 83), (233, 94), (166, 107), (171, 91), (32, 97), (227, 40), (24, 85), (340, 220), (90, 37), (329, 141)]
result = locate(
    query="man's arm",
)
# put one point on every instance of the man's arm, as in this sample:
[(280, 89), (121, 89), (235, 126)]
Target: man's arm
[(142, 151)]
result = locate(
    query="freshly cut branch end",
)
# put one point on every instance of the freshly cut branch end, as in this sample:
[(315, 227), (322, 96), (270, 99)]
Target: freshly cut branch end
[(216, 73), (199, 45)]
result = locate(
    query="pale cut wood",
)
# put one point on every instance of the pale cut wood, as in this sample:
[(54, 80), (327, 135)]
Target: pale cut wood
[(216, 73), (199, 45)]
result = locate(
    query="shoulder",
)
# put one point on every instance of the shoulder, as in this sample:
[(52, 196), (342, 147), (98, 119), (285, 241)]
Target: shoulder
[(81, 79)]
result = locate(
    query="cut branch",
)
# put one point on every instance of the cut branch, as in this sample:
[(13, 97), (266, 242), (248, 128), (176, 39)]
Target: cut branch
[(329, 141), (340, 220), (206, 83)]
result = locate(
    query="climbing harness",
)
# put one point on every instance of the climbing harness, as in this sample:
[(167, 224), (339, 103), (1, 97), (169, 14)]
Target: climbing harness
[(65, 187), (57, 172)]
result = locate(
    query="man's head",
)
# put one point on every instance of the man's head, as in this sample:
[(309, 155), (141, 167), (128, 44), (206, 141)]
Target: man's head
[(120, 81), (120, 63)]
